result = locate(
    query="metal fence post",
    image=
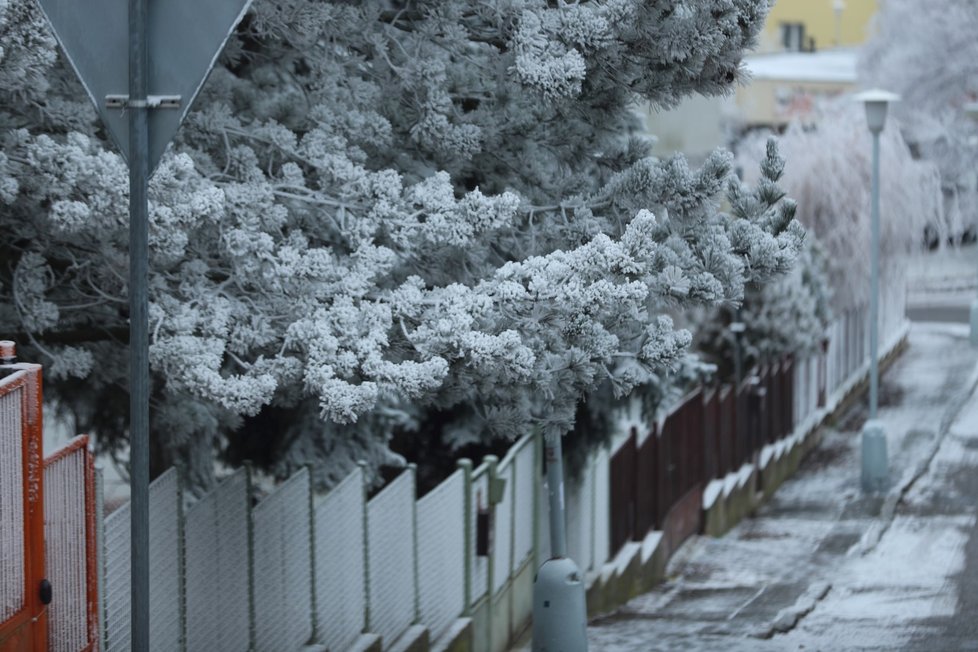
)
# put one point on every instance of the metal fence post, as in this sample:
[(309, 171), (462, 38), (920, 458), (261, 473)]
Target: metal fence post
[(313, 593), (100, 553), (537, 465), (413, 470), (466, 466), (512, 544), (594, 509), (366, 549), (252, 629), (492, 462), (181, 564)]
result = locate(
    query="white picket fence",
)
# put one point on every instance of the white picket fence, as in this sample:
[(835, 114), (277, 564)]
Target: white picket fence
[(847, 351)]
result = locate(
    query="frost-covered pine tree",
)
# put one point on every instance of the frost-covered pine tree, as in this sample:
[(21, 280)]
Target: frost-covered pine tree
[(788, 316), (383, 216), (929, 55)]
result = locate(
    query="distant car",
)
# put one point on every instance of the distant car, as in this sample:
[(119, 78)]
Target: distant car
[(932, 236)]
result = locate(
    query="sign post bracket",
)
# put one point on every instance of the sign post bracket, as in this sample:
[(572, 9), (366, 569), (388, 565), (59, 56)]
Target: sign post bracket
[(151, 102)]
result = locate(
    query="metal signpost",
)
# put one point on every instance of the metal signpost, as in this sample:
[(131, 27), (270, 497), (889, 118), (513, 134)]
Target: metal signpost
[(559, 601), (160, 51)]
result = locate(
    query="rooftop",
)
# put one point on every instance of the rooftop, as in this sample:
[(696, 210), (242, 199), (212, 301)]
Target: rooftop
[(838, 65)]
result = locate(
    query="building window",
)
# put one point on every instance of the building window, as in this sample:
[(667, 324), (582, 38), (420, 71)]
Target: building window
[(793, 36)]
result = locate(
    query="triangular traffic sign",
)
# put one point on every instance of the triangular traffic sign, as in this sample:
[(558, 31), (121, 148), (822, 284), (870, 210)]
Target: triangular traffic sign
[(184, 39)]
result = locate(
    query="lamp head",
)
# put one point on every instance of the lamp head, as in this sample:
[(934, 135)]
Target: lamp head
[(876, 102)]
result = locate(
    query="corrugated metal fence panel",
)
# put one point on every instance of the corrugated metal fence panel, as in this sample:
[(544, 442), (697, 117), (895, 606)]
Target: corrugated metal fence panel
[(526, 481), (667, 470), (773, 404), (623, 490), (117, 585), (798, 409), (693, 439), (340, 595), (726, 429), (852, 335), (742, 435), (543, 521), (837, 360), (12, 578), (574, 517), (479, 565), (788, 396), (502, 527), (282, 566), (217, 544), (830, 361), (441, 554), (816, 362), (711, 434), (164, 570), (602, 508), (390, 543), (69, 547), (580, 518), (586, 560), (644, 489)]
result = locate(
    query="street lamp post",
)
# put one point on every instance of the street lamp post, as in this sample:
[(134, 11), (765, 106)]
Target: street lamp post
[(874, 464), (971, 110)]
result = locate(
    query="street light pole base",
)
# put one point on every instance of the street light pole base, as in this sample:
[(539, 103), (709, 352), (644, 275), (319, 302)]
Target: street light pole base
[(559, 608), (875, 471)]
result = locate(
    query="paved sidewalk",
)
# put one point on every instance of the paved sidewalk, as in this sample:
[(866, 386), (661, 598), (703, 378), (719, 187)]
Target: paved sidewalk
[(823, 567)]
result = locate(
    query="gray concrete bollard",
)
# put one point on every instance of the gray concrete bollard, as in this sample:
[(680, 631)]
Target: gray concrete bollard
[(559, 608), (875, 471)]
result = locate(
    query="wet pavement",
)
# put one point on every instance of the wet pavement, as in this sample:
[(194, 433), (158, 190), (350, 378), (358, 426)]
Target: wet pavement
[(822, 566)]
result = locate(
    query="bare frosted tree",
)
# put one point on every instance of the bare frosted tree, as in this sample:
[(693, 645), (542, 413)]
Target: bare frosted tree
[(929, 55), (829, 176)]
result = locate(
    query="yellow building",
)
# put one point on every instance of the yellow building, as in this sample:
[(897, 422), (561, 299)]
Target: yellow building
[(807, 53), (787, 86), (817, 24)]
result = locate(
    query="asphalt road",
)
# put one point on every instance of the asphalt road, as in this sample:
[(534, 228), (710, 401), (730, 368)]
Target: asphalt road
[(959, 314)]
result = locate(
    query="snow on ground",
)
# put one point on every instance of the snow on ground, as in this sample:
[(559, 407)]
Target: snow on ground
[(795, 577), (879, 601)]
